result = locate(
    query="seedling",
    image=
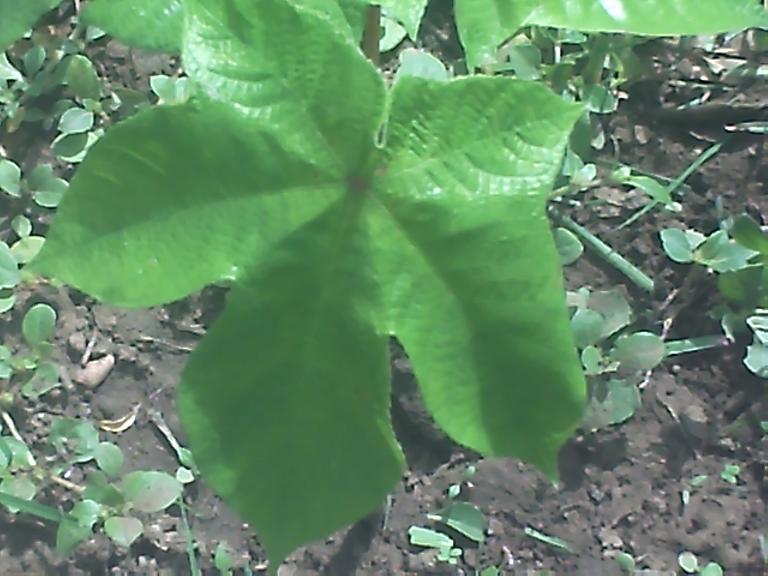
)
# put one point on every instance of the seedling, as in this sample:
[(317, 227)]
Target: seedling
[(626, 563), (690, 565), (738, 255), (428, 538), (696, 481), (731, 473), (454, 490), (108, 496), (612, 356), (222, 560), (553, 541), (37, 328)]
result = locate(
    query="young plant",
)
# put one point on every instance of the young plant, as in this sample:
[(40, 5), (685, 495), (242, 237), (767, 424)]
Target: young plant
[(738, 255), (344, 213), (41, 373), (110, 497)]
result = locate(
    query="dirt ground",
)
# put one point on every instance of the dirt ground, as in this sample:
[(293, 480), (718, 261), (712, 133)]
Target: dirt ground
[(621, 487)]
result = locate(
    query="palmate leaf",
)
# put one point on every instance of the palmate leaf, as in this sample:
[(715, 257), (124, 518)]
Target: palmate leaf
[(275, 177), (484, 24), (17, 17)]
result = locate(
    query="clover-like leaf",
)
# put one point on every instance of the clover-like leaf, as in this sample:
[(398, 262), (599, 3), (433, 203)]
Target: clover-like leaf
[(151, 491), (123, 530), (109, 458), (38, 324), (639, 351), (344, 216)]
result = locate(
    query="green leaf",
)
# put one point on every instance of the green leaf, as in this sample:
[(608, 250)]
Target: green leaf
[(148, 24), (688, 562), (81, 77), (619, 404), (677, 245), (50, 193), (151, 491), (587, 326), (393, 34), (649, 17), (76, 120), (757, 358), (568, 245), (420, 64), (97, 488), (484, 24), (222, 558), (749, 234), (18, 17), (170, 90), (9, 268), (86, 512), (5, 458), (44, 379), (268, 79), (10, 177), (639, 351), (38, 324), (465, 518), (20, 487), (723, 254), (142, 161), (21, 457), (408, 12), (457, 214), (6, 303), (109, 458), (21, 225), (712, 569), (123, 530), (68, 146), (30, 507), (25, 249), (418, 536), (613, 306), (553, 541), (34, 58), (69, 535)]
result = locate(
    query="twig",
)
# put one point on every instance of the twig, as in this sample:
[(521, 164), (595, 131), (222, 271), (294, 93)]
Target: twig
[(89, 348), (67, 484), (15, 433), (372, 34), (637, 276), (672, 186)]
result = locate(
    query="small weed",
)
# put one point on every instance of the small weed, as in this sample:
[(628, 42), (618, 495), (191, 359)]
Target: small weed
[(731, 473), (690, 565)]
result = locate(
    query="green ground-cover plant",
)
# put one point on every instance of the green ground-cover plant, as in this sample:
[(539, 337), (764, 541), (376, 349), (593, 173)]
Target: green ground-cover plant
[(344, 212), (109, 498), (737, 253)]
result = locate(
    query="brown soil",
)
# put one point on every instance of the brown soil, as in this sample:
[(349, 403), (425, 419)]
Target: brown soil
[(621, 488)]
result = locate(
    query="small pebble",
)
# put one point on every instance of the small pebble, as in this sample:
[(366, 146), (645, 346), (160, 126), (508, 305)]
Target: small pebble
[(95, 372)]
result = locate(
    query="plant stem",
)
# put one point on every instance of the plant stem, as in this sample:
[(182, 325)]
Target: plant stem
[(372, 34), (607, 253)]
